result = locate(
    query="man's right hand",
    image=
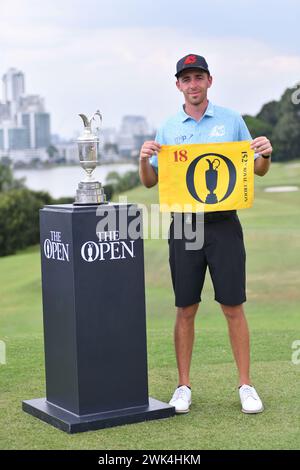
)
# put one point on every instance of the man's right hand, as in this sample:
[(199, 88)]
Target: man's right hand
[(147, 173), (149, 148)]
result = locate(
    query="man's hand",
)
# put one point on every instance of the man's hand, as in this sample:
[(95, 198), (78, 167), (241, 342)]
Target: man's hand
[(148, 149), (262, 146), (147, 174)]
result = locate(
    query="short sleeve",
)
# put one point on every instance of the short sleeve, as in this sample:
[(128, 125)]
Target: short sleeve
[(243, 133)]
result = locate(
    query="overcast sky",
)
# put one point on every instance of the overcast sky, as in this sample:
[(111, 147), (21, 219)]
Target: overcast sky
[(120, 55)]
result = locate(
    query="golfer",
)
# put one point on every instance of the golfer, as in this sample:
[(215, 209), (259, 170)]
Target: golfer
[(199, 121)]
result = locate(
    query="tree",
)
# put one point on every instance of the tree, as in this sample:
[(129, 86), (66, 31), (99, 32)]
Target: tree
[(19, 219), (286, 138), (7, 181), (286, 133), (269, 113), (280, 121), (257, 127), (113, 178), (52, 151)]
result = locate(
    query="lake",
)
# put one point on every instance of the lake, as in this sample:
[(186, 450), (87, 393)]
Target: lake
[(63, 181)]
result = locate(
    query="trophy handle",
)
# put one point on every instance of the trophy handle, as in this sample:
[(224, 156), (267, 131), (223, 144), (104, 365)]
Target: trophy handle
[(218, 161), (97, 113), (88, 122)]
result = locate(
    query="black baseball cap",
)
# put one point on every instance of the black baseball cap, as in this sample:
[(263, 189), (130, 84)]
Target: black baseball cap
[(191, 61)]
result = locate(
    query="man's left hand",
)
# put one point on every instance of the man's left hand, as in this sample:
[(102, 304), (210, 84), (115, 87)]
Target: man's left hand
[(262, 146)]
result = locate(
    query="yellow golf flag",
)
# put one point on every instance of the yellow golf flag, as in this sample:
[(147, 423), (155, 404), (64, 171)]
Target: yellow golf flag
[(206, 177)]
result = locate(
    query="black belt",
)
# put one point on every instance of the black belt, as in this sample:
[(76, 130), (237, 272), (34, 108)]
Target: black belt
[(211, 216), (221, 215)]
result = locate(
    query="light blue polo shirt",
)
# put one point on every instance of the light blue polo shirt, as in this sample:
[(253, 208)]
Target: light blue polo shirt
[(217, 124)]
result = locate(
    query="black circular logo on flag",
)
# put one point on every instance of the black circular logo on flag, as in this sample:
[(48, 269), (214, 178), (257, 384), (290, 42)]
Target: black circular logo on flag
[(211, 177)]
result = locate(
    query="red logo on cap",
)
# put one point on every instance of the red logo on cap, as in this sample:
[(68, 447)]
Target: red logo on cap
[(191, 59)]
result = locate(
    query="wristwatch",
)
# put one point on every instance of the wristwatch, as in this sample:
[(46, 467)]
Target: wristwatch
[(266, 156)]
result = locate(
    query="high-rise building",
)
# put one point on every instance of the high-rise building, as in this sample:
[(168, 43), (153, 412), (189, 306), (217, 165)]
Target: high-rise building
[(31, 103), (4, 111), (1, 139), (13, 138), (38, 128), (131, 127), (24, 123), (17, 138), (42, 129), (134, 125), (13, 85)]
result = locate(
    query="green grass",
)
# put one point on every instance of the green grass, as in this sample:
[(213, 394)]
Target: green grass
[(272, 237)]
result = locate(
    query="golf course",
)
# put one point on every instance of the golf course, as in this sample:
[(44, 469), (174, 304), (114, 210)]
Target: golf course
[(272, 239)]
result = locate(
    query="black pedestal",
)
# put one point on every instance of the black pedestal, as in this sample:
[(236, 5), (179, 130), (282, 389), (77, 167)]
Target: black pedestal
[(94, 319)]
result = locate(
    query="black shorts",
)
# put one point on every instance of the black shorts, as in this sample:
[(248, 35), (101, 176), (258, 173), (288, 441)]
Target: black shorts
[(223, 252)]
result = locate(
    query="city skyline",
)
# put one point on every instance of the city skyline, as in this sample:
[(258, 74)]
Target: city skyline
[(121, 58), (24, 122), (25, 133)]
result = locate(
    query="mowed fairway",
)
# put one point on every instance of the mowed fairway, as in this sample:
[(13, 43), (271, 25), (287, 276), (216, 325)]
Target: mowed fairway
[(272, 238)]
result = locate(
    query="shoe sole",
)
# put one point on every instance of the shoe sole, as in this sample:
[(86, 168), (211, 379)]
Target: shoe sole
[(253, 412), (182, 411)]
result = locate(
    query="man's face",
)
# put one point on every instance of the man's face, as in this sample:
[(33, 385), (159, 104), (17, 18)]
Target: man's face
[(194, 84)]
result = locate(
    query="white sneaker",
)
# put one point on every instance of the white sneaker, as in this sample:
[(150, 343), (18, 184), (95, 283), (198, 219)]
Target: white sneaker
[(251, 403), (181, 399)]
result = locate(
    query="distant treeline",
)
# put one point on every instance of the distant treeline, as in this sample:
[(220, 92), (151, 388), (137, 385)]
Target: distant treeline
[(19, 207), (280, 122)]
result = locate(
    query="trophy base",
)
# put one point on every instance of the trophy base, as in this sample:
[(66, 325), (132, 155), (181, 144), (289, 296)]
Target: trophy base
[(90, 193), (211, 199)]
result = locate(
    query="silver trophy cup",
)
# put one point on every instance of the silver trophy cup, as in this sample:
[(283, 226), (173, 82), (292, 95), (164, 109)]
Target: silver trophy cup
[(89, 190)]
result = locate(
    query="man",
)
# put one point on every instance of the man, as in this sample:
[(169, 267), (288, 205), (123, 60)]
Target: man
[(199, 121)]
